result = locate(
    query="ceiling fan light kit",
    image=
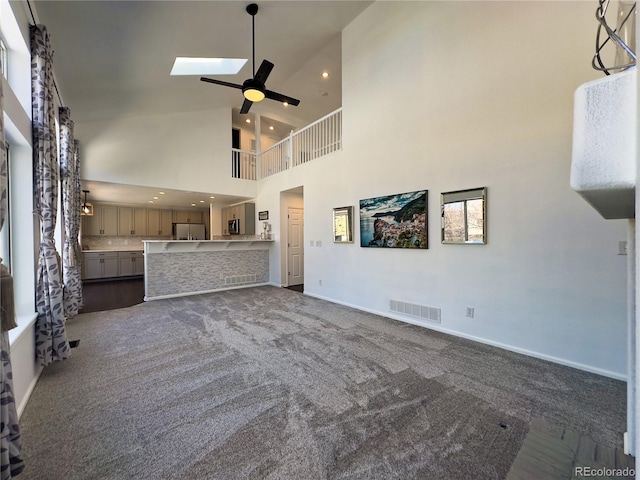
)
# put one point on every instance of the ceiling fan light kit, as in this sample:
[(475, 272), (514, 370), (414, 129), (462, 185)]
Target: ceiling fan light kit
[(253, 89)]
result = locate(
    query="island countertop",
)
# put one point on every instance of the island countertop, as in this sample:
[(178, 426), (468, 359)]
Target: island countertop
[(113, 250), (162, 246)]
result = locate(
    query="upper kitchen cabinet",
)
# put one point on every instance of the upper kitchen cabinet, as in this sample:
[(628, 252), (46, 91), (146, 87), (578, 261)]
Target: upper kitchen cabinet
[(104, 221), (245, 212), (159, 222), (132, 221), (187, 216)]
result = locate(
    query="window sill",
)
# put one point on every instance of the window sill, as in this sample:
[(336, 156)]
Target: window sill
[(25, 322)]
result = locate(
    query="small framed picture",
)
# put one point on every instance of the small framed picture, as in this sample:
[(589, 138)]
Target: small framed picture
[(343, 225), (263, 215)]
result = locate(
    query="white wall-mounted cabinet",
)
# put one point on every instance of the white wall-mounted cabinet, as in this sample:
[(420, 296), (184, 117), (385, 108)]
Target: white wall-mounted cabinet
[(132, 221), (187, 216), (245, 212), (159, 222), (104, 221), (129, 220)]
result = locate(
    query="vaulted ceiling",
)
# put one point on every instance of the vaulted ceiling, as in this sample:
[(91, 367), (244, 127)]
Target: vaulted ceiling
[(113, 58)]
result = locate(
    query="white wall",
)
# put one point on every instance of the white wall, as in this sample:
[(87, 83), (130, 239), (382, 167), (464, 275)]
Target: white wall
[(465, 95), (183, 151)]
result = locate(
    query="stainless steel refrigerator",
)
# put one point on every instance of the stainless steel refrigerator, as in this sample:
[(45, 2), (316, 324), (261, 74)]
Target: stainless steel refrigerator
[(189, 231)]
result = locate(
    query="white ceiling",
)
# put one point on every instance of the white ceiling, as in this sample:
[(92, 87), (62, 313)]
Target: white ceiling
[(153, 197), (113, 58)]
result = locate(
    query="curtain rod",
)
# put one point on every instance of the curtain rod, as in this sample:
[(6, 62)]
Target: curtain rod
[(55, 85)]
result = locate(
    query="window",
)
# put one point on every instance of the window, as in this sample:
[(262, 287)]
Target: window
[(5, 238), (3, 59)]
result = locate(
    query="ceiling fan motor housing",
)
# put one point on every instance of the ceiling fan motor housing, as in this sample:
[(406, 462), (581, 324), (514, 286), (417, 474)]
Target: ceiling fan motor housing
[(253, 90)]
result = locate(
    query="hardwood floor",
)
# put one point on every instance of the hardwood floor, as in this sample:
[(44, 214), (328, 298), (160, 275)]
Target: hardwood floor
[(296, 288), (112, 294)]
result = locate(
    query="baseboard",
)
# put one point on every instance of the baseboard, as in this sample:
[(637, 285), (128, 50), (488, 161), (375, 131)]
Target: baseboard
[(23, 404), (456, 333)]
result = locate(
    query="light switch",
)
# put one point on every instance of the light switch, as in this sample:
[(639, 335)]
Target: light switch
[(622, 247)]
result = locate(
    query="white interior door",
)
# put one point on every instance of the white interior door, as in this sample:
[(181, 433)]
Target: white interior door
[(295, 246)]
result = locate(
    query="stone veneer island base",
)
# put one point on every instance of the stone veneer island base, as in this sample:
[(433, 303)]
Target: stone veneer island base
[(175, 268)]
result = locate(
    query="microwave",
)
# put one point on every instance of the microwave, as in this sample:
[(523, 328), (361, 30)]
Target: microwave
[(234, 227)]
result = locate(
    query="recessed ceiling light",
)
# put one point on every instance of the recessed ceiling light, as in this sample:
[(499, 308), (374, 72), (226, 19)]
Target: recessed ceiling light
[(161, 193), (212, 196), (155, 198), (207, 66), (150, 201), (325, 74), (248, 120), (193, 204), (286, 104), (271, 127), (201, 201)]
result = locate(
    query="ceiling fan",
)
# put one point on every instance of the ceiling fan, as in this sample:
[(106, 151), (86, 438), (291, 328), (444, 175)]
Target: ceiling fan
[(254, 89)]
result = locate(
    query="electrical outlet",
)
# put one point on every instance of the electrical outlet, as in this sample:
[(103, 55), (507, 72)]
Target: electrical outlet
[(470, 312), (318, 243), (311, 243), (320, 282)]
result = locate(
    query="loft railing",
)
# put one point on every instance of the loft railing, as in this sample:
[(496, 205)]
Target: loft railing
[(320, 138), (243, 164), (274, 159)]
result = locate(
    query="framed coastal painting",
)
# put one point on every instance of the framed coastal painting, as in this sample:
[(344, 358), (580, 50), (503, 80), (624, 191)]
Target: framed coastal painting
[(394, 221)]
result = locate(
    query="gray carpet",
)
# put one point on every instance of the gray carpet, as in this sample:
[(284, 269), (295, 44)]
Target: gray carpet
[(266, 383)]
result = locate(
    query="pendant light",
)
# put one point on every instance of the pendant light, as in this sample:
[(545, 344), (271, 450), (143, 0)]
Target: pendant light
[(87, 208)]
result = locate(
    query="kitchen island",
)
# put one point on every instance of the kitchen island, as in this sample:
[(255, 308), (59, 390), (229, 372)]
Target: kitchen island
[(175, 268)]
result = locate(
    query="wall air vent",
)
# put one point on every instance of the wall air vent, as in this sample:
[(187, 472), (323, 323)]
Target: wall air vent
[(414, 310), (240, 279)]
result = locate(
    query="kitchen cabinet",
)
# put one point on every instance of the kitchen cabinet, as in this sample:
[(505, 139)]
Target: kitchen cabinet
[(132, 221), (99, 265), (159, 222), (245, 212), (104, 221), (130, 264), (187, 216)]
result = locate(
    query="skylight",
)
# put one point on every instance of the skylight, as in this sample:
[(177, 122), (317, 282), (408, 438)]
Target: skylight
[(207, 66)]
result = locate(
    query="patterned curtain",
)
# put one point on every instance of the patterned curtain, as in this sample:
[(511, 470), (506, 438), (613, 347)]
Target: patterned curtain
[(51, 336), (11, 464), (71, 198)]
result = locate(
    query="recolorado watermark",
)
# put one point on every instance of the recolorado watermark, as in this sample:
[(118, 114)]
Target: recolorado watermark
[(601, 472)]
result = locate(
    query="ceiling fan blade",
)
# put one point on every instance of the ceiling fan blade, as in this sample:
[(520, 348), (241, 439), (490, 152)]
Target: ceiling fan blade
[(220, 82), (263, 72), (246, 105), (281, 98)]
